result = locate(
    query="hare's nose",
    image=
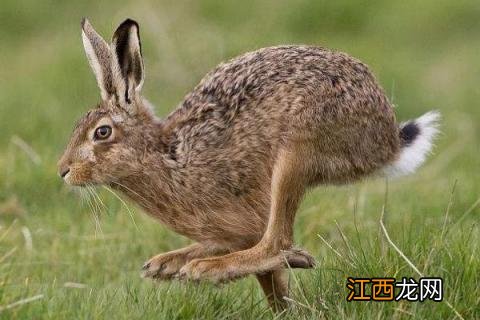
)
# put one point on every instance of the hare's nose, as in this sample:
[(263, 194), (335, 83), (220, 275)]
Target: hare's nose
[(63, 172)]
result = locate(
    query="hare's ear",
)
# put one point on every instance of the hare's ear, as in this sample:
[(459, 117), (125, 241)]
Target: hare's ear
[(127, 62), (99, 56)]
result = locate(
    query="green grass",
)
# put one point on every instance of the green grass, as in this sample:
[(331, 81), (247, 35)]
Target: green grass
[(425, 54)]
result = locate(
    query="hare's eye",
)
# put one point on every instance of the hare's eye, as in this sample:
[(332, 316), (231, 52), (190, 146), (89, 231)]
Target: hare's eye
[(103, 132)]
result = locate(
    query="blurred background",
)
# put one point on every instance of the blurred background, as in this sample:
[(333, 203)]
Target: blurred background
[(81, 255)]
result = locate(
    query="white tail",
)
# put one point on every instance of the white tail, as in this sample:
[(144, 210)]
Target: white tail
[(417, 142)]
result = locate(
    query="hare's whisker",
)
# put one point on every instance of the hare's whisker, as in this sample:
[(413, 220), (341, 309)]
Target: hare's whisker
[(97, 196), (123, 203), (146, 203), (92, 199), (129, 189), (94, 207)]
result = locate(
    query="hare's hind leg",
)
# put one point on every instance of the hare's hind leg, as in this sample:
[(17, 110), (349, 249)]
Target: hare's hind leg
[(166, 265), (275, 287), (275, 250)]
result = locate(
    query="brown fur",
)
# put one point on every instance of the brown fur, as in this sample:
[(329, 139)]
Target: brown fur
[(228, 168)]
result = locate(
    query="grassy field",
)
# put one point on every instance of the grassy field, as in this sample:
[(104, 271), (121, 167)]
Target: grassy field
[(72, 265)]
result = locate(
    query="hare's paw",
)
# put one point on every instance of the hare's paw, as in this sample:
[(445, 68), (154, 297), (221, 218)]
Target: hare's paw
[(211, 269), (163, 266), (298, 258), (240, 264)]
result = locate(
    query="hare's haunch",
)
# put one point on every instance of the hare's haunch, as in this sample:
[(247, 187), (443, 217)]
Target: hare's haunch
[(229, 167)]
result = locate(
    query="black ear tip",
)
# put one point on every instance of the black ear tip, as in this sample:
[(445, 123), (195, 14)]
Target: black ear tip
[(128, 23)]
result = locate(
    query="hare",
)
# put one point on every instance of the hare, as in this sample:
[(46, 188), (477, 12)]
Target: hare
[(229, 167)]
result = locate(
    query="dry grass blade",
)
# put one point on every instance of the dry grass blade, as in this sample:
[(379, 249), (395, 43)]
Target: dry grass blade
[(345, 240), (75, 285), (25, 147), (395, 247), (21, 302), (301, 304), (27, 235), (8, 254), (404, 257), (335, 251), (6, 232)]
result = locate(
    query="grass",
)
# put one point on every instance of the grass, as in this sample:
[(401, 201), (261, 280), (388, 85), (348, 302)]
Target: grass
[(54, 251)]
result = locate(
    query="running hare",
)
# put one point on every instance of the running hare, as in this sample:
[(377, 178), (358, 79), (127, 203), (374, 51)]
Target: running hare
[(229, 167)]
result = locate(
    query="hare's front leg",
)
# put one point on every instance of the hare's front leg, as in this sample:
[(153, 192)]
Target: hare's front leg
[(275, 250), (165, 266)]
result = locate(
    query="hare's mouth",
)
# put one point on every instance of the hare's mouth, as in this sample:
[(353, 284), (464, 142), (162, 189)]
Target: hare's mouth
[(78, 179), (70, 180)]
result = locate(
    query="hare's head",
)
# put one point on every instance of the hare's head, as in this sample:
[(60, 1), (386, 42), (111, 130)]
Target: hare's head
[(110, 140)]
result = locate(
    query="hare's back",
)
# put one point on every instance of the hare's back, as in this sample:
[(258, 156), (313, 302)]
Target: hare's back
[(244, 109), (281, 80)]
